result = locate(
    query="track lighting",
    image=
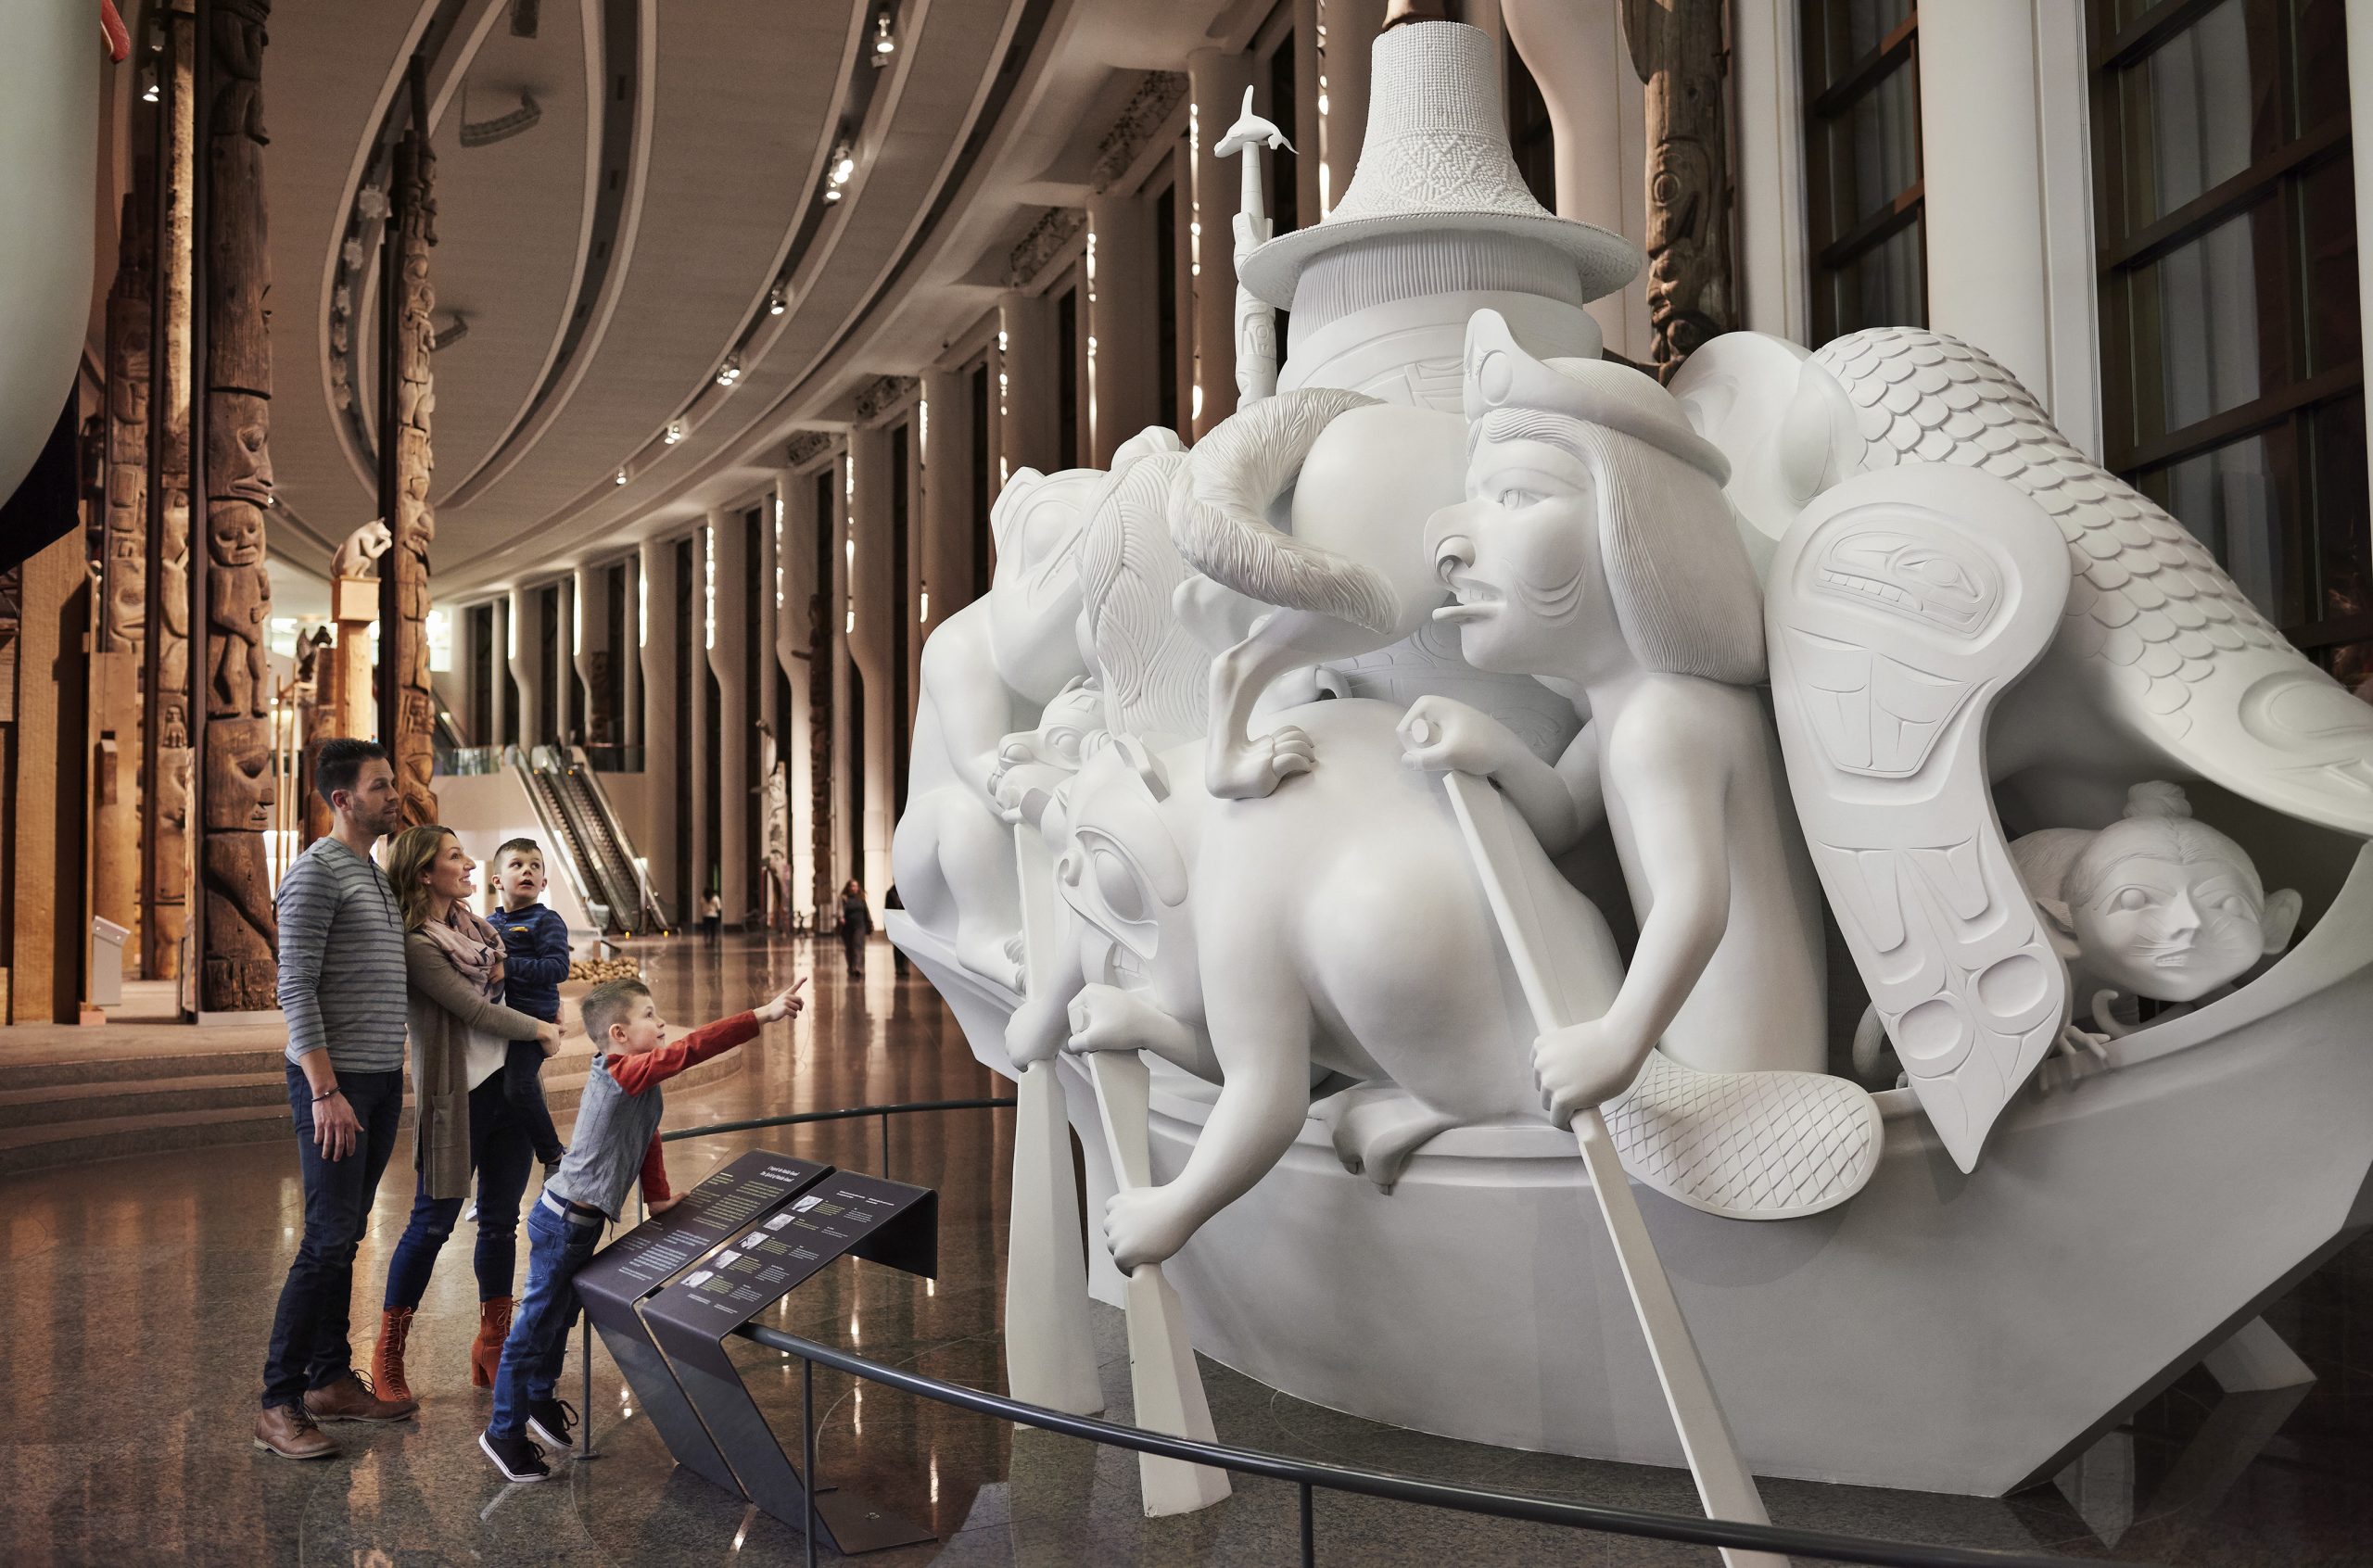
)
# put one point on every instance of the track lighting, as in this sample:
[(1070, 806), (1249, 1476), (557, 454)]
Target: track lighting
[(622, 475), (884, 44), (776, 303), (675, 432), (843, 169), (148, 93), (729, 372)]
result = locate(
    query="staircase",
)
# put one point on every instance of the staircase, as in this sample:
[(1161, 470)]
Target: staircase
[(78, 1109)]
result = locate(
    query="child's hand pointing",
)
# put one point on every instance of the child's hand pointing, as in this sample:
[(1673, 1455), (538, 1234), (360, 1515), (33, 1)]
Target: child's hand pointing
[(784, 1003)]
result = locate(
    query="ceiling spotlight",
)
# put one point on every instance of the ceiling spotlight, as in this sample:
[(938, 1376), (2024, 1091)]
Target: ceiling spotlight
[(729, 372), (776, 303), (884, 45), (622, 475), (675, 431), (843, 168)]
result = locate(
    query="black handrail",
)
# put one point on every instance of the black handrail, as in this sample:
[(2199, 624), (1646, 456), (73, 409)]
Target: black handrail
[(1306, 1475), (1409, 1489)]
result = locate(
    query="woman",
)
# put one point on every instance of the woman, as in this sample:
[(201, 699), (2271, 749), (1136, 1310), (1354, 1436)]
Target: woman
[(856, 924), (459, 1031)]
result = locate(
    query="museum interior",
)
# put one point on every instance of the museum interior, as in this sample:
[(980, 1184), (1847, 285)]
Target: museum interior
[(1807, 562)]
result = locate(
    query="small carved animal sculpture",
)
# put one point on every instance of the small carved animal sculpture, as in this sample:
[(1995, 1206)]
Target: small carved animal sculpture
[(359, 553)]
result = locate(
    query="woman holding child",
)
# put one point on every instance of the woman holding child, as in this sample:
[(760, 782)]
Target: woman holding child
[(464, 1121)]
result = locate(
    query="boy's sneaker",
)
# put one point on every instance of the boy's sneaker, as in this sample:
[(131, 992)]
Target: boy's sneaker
[(550, 1420), (518, 1458)]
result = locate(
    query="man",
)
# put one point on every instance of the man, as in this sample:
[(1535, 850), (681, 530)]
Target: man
[(342, 990)]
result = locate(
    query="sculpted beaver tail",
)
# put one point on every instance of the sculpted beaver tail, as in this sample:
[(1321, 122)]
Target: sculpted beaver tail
[(1219, 499)]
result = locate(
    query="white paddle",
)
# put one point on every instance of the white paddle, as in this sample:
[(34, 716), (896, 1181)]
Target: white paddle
[(1723, 1484)]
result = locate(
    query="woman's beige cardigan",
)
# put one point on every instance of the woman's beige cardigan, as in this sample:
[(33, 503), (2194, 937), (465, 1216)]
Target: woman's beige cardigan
[(442, 1008)]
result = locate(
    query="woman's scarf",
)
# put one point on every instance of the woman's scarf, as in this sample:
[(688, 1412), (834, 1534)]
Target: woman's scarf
[(472, 947)]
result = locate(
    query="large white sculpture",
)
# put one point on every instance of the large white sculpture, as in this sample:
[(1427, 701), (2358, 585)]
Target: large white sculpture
[(1856, 623)]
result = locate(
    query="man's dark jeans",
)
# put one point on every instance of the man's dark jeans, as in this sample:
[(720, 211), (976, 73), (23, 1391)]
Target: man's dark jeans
[(309, 1331)]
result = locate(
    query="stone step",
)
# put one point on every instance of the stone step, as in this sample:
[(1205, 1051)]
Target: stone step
[(140, 1116)]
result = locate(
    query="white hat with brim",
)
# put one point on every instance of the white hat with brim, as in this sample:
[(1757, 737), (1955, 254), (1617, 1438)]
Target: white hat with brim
[(1435, 160)]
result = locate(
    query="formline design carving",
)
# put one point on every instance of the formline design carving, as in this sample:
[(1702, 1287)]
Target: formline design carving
[(1056, 228), (408, 722), (239, 971), (1678, 50), (123, 631), (808, 445)]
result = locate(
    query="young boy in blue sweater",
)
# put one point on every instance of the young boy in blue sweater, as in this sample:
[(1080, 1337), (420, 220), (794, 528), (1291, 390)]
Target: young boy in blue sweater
[(536, 961)]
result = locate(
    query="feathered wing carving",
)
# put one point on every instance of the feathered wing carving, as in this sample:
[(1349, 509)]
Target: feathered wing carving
[(2167, 641), (1155, 673)]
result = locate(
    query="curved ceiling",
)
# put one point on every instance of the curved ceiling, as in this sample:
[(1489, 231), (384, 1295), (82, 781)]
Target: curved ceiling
[(621, 185)]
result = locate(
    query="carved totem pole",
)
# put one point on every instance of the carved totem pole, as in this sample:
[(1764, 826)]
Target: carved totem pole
[(1678, 49), (407, 701), (123, 578), (165, 741), (238, 790)]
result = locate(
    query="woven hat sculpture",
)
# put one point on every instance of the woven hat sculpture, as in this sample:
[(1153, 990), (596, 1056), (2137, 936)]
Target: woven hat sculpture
[(1436, 159)]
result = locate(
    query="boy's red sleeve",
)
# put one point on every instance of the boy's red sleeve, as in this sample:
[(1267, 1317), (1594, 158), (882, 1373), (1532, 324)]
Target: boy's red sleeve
[(634, 1074), (654, 1174)]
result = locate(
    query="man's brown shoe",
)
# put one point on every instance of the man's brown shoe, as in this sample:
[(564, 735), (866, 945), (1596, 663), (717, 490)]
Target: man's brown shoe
[(350, 1398), (287, 1431)]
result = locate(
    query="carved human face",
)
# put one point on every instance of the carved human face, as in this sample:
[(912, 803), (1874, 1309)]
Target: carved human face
[(239, 788), (1521, 555), (2173, 929), (234, 534), (239, 449), (1125, 873)]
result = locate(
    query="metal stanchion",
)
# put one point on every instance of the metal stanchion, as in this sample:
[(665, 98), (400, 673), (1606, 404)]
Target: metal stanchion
[(885, 1144), (807, 1442), (585, 1415), (1308, 1531)]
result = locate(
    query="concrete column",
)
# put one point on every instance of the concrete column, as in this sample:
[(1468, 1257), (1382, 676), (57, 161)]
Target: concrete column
[(944, 554), (1027, 433), (872, 586), (1125, 391), (1981, 159), (656, 671), (1598, 115), (727, 659), (1217, 80), (794, 628), (587, 633), (632, 638), (527, 625), (1352, 27), (498, 714)]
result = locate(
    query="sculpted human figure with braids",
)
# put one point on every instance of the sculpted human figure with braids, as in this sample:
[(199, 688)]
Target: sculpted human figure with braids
[(1595, 548)]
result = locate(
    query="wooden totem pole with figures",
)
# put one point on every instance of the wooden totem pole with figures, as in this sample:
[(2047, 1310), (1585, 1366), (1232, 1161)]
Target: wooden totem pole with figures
[(123, 631), (238, 926), (407, 698), (1679, 51)]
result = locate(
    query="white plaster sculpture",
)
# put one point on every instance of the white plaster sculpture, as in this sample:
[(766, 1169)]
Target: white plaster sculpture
[(358, 554), (49, 78), (1256, 321), (1436, 223), (2154, 906), (2012, 555), (986, 672)]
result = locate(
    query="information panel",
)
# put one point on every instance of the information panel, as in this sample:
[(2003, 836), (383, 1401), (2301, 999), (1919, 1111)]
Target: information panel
[(746, 1191), (886, 1221)]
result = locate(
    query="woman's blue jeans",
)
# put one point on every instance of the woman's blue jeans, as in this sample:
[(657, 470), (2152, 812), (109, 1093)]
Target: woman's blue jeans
[(501, 1157)]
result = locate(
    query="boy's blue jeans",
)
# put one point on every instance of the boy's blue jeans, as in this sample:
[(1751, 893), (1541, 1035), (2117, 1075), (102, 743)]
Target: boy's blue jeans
[(532, 1357)]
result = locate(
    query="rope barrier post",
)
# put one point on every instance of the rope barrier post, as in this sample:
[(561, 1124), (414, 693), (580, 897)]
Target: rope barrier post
[(807, 1445), (885, 1143), (585, 1416), (1308, 1531)]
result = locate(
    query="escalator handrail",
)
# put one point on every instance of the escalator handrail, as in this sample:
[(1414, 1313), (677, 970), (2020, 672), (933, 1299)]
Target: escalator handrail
[(617, 829), (562, 834)]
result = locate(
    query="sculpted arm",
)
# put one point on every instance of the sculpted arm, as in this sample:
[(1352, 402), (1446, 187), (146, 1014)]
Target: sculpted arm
[(974, 709), (1671, 764), (1558, 804)]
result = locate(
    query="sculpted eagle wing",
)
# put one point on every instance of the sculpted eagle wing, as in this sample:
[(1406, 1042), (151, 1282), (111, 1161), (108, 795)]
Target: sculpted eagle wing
[(2167, 640)]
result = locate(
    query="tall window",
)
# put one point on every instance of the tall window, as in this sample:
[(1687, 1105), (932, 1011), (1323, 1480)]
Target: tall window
[(1285, 176), (688, 644), (1067, 379), (1863, 193), (755, 584), (980, 443), (822, 618), (2231, 343), (548, 658), (902, 627), (1165, 266)]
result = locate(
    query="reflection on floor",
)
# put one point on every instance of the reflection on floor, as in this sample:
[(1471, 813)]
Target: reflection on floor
[(135, 1296)]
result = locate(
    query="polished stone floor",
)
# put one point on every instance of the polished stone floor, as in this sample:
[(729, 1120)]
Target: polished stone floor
[(135, 1296)]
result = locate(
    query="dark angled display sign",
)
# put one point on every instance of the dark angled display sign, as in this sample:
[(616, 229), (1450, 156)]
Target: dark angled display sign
[(745, 1192), (885, 1222)]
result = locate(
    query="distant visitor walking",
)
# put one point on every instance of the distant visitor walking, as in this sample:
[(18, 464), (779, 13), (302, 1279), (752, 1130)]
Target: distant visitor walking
[(856, 924)]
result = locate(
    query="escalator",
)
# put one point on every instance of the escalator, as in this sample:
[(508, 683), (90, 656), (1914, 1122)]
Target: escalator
[(566, 846), (570, 800)]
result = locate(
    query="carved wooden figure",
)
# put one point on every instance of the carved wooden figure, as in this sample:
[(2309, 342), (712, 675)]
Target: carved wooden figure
[(1678, 49), (408, 710), (165, 741), (238, 973), (123, 579)]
